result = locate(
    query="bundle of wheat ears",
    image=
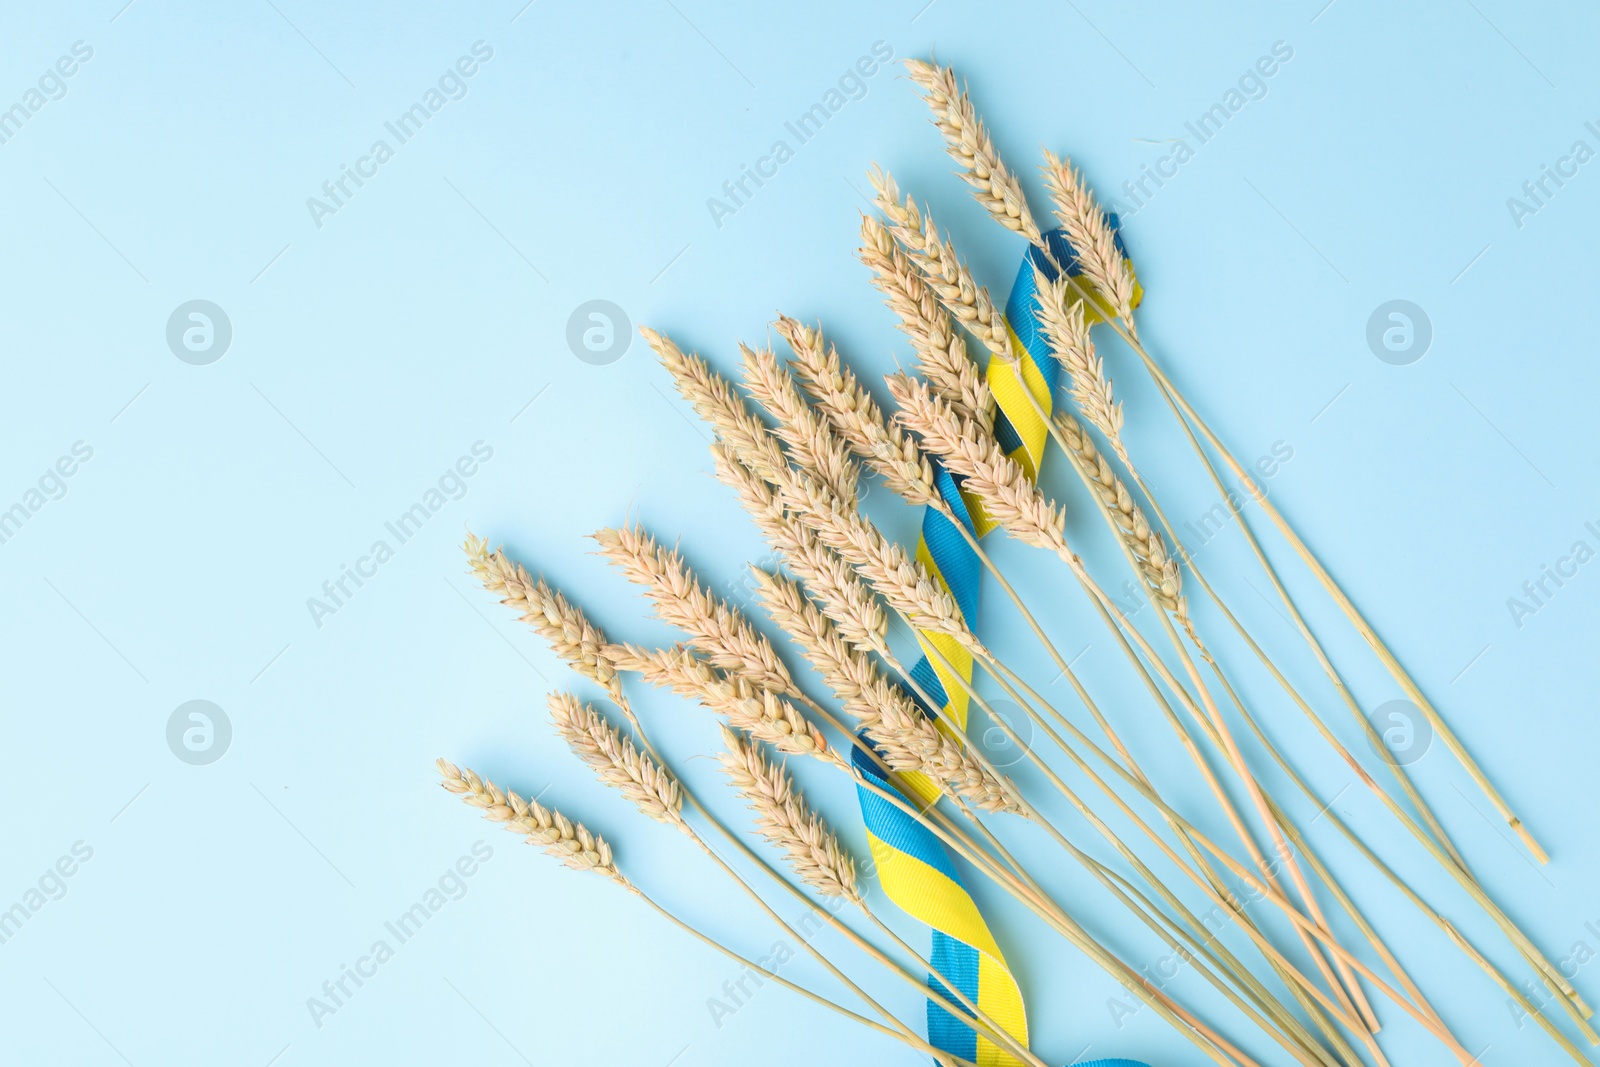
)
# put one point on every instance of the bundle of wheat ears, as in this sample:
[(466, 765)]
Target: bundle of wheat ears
[(794, 439)]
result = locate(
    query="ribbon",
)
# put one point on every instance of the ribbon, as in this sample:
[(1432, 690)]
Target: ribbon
[(912, 865)]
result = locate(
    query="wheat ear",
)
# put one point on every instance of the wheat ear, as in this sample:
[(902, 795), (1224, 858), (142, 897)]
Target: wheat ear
[(1090, 233), (1066, 329), (715, 400), (570, 842), (1159, 570), (906, 739), (903, 582), (936, 258), (718, 630), (941, 349), (990, 475), (759, 712), (802, 430), (855, 415), (574, 638), (855, 611), (968, 143), (641, 780), (785, 819)]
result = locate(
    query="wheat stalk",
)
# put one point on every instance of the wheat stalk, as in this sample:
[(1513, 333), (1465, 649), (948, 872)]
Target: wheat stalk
[(936, 258), (806, 435), (786, 820), (715, 628), (641, 780), (941, 349), (968, 143), (1090, 234), (570, 842)]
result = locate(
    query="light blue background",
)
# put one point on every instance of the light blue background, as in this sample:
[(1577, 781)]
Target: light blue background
[(430, 313)]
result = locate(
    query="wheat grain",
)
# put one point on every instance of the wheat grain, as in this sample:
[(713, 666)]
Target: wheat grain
[(570, 842), (893, 574), (715, 628), (640, 779), (995, 187), (805, 433), (785, 819)]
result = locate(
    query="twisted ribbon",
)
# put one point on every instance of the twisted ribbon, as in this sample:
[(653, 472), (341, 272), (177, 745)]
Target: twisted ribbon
[(912, 865)]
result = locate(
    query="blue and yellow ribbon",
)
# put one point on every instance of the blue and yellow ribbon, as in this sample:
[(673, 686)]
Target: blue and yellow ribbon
[(912, 865)]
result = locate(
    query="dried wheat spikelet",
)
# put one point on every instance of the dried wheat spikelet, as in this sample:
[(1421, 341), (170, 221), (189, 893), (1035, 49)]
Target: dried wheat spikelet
[(1090, 234), (936, 258), (759, 712), (784, 818), (995, 187), (855, 415), (574, 638), (906, 739), (1067, 332), (1008, 496), (941, 349), (719, 631), (570, 842), (641, 780), (811, 444), (1159, 570)]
